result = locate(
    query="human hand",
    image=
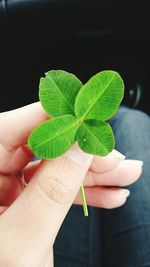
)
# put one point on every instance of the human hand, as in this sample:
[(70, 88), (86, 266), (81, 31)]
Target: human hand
[(29, 226), (111, 170)]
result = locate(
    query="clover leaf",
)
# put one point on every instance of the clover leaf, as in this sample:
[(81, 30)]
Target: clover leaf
[(58, 91), (95, 137), (79, 113), (100, 97), (54, 137)]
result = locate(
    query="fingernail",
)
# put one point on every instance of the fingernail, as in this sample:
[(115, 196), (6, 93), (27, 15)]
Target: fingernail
[(78, 156), (116, 154), (126, 192), (136, 162)]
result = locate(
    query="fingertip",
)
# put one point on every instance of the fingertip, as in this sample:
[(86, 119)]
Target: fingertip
[(107, 163), (133, 170), (116, 198), (105, 197)]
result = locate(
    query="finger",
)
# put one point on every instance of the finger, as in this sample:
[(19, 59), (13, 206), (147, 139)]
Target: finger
[(127, 172), (98, 165), (15, 128), (107, 163), (102, 197), (41, 208), (19, 123), (10, 188), (30, 170), (16, 160)]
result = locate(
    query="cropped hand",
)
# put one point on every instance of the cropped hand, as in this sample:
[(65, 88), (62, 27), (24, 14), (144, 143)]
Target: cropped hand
[(33, 215)]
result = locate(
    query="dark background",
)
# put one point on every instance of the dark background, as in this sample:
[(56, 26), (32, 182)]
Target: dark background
[(83, 37)]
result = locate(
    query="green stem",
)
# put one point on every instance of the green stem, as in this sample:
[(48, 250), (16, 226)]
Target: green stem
[(84, 200)]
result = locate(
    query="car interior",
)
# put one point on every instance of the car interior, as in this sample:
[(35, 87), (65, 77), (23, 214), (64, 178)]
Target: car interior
[(80, 36)]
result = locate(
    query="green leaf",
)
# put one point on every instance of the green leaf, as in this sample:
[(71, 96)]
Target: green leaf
[(95, 137), (57, 93), (53, 137), (100, 97)]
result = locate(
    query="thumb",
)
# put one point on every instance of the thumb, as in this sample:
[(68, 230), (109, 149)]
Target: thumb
[(43, 205)]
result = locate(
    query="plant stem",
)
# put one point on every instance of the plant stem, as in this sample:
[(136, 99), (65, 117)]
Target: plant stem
[(84, 200)]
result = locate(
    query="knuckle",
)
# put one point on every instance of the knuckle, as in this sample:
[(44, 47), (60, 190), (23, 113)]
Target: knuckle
[(55, 190)]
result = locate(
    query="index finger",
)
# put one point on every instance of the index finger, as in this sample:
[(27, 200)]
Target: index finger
[(15, 127), (17, 124)]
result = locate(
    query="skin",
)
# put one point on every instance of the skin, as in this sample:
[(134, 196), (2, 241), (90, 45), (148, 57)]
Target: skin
[(31, 217)]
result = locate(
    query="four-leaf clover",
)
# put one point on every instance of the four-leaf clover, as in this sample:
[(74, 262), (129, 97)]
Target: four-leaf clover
[(79, 113)]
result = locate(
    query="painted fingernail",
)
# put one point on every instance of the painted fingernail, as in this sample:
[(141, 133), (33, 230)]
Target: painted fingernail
[(137, 162), (116, 154), (126, 192), (77, 155)]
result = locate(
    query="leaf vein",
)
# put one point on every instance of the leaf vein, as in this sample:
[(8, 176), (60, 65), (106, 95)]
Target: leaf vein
[(87, 112), (65, 99), (94, 135), (59, 134)]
